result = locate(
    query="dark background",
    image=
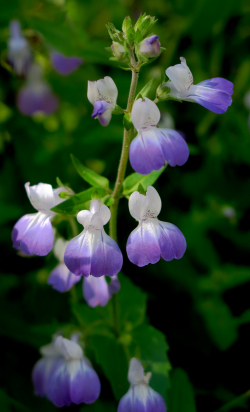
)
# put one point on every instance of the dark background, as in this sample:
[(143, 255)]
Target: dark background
[(201, 302)]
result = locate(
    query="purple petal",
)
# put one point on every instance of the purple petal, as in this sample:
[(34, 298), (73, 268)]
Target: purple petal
[(41, 99), (96, 291), (62, 279), (174, 147), (41, 374), (100, 107), (114, 285), (212, 99), (33, 234), (153, 240), (145, 152), (141, 398), (93, 252), (85, 385), (219, 84), (59, 385), (65, 65)]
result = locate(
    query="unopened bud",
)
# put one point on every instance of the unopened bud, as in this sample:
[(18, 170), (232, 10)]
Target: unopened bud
[(144, 24), (114, 33), (162, 92), (150, 47), (118, 51)]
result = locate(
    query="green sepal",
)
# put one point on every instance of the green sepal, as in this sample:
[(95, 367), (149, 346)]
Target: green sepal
[(115, 34), (132, 181), (138, 36), (59, 182), (65, 195), (141, 189), (117, 110), (88, 175), (109, 201), (145, 90), (130, 36), (96, 195), (75, 204), (127, 122), (127, 24)]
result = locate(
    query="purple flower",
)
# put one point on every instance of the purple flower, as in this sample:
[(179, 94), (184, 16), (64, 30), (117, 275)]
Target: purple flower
[(33, 233), (140, 396), (36, 95), (96, 291), (152, 239), (64, 65), (103, 95), (150, 47), (153, 147), (65, 375), (213, 94), (93, 251), (61, 278), (19, 54)]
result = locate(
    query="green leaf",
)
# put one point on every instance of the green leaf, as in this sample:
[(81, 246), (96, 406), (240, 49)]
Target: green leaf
[(132, 181), (75, 204), (95, 322), (150, 346), (110, 354), (117, 110), (181, 395), (91, 177), (59, 182), (127, 122), (145, 90)]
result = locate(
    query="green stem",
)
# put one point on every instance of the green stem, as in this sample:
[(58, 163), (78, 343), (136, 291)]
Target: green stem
[(235, 402)]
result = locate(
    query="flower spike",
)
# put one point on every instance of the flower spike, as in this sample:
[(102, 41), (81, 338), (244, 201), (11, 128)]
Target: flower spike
[(93, 251), (152, 239), (213, 94), (153, 147)]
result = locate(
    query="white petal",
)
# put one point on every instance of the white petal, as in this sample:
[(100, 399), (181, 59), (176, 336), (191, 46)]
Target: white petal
[(97, 221), (92, 92), (181, 76), (95, 206), (105, 214), (137, 204), (145, 113), (59, 249), (84, 217), (41, 196), (154, 200), (136, 372), (107, 90), (49, 350), (68, 349)]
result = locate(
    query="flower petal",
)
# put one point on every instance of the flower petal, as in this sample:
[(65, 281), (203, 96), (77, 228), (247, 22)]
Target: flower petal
[(100, 107), (154, 200), (67, 348), (84, 385), (136, 372), (59, 385), (218, 83), (151, 46), (114, 285), (41, 374), (212, 99), (145, 113), (107, 90), (41, 196), (174, 147), (95, 206), (84, 217), (95, 291), (105, 214), (181, 76), (145, 152), (62, 279), (105, 118), (171, 241), (137, 204), (33, 234), (32, 99), (141, 398), (65, 65)]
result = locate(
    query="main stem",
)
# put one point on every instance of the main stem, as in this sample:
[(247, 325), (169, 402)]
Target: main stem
[(120, 178)]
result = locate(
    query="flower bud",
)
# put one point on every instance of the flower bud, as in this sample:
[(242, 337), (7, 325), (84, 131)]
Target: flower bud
[(127, 24), (119, 51), (114, 33), (144, 24), (150, 47), (162, 92)]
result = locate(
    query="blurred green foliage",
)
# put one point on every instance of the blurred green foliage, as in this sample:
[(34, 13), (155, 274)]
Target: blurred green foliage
[(201, 302)]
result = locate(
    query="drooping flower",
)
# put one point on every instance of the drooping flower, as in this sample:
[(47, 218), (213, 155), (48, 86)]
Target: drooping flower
[(64, 65), (96, 291), (36, 95), (93, 251), (140, 396), (33, 233), (61, 278), (103, 95), (213, 94), (153, 147), (65, 375), (19, 54), (152, 239), (150, 47)]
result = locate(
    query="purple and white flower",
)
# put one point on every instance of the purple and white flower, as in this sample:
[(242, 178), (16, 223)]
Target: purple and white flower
[(153, 147), (152, 239), (150, 47), (140, 396), (36, 95), (61, 278), (64, 65), (33, 233), (65, 375), (213, 94), (97, 291), (93, 252), (19, 54), (103, 95)]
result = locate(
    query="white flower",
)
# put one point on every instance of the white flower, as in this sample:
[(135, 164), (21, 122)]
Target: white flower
[(103, 95)]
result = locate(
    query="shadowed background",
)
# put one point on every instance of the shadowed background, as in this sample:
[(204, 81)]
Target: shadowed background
[(201, 302)]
